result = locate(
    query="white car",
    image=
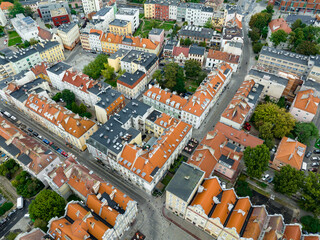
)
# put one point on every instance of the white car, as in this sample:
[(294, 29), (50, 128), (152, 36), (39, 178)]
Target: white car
[(265, 177)]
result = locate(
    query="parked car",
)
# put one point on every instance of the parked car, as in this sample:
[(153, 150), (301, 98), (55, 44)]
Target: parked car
[(59, 150), (315, 159), (40, 137), (54, 147), (270, 180), (308, 154), (45, 141), (315, 164), (265, 177), (35, 134), (30, 130), (64, 154), (247, 126), (313, 169), (223, 185), (3, 155), (10, 214), (51, 143), (316, 151), (2, 221)]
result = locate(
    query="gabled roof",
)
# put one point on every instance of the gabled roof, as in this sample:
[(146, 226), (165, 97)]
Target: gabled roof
[(180, 50), (79, 80), (223, 209), (40, 68), (279, 23), (306, 101), (275, 226), (223, 56), (256, 222), (311, 237), (5, 5), (44, 34), (292, 232), (291, 152)]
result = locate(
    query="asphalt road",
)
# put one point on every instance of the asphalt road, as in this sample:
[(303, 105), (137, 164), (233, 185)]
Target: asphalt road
[(5, 228)]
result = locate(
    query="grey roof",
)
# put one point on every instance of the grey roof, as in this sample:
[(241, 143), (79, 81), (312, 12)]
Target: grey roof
[(311, 84), (156, 31), (153, 116), (58, 68), (269, 76), (195, 49), (255, 93), (184, 181), (111, 135), (284, 55), (17, 76), (231, 32), (306, 19), (66, 27), (107, 95), (121, 52), (147, 60), (131, 78), (127, 11), (228, 162), (25, 159), (29, 2), (3, 60), (46, 45), (13, 150), (192, 31), (21, 54), (23, 92), (315, 60), (119, 23), (235, 44), (103, 11)]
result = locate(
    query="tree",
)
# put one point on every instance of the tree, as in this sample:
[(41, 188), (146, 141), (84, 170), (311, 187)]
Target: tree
[(157, 75), (305, 132), (68, 96), (297, 24), (260, 20), (288, 180), (180, 87), (28, 11), (82, 108), (94, 68), (256, 160), (265, 131), (264, 32), (108, 72), (208, 24), (278, 37), (310, 224), (46, 205), (254, 34), (281, 121), (170, 74), (192, 68), (16, 9), (33, 41), (269, 9), (242, 189), (73, 12), (257, 47), (307, 48), (185, 42), (75, 108), (42, 224), (57, 97), (281, 102), (310, 199)]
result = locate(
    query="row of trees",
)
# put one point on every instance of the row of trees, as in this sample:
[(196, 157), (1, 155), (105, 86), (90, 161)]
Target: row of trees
[(174, 76), (94, 68), (69, 98)]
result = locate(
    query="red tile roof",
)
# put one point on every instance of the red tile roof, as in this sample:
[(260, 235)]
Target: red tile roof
[(306, 101), (40, 68), (223, 209), (279, 23), (5, 5), (178, 50), (292, 232), (223, 56), (78, 79), (44, 34)]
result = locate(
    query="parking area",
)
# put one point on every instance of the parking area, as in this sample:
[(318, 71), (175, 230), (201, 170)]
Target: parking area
[(79, 58)]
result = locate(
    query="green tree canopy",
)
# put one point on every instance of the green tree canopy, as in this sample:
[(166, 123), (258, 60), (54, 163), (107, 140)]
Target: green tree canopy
[(254, 34), (310, 224), (307, 48), (297, 24), (192, 68), (108, 72), (269, 9), (16, 9), (288, 180), (256, 160), (305, 132), (82, 108), (68, 96), (310, 199), (257, 47), (94, 68), (157, 75), (28, 11), (282, 122), (260, 20), (173, 74), (208, 24), (278, 37), (46, 205)]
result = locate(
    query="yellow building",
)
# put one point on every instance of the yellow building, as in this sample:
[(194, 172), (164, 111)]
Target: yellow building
[(120, 27), (149, 10), (69, 34), (115, 59), (84, 39), (6, 68), (110, 42), (50, 51)]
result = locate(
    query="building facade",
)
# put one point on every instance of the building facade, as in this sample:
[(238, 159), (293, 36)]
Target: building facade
[(69, 34)]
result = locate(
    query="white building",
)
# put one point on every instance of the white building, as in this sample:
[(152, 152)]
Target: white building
[(214, 58), (56, 73), (90, 6), (131, 15), (198, 15), (3, 19), (26, 27), (24, 59), (173, 11), (305, 106), (94, 40), (103, 17)]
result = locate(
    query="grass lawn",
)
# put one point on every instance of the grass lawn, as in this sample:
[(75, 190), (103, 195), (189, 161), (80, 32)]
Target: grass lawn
[(13, 34), (153, 23), (317, 143), (48, 26), (14, 38)]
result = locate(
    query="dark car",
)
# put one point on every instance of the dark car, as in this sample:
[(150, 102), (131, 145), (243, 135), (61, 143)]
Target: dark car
[(316, 151), (30, 130), (308, 154), (35, 134)]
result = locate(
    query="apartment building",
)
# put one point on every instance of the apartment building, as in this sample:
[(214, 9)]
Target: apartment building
[(56, 73), (242, 104), (103, 17), (6, 68), (44, 9), (26, 27), (40, 71), (5, 6), (201, 34), (131, 15), (232, 33), (114, 59), (181, 54), (218, 20), (233, 47), (182, 188), (60, 16), (50, 52), (165, 101), (216, 57), (279, 60), (120, 27), (112, 212), (131, 85), (221, 151), (84, 38), (95, 40), (31, 155), (67, 125), (110, 42), (314, 72), (305, 106), (45, 35), (290, 152), (69, 34), (297, 6), (137, 60), (157, 35), (197, 14), (90, 6)]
